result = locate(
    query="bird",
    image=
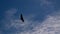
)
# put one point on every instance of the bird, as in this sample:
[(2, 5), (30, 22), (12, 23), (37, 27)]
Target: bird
[(21, 17)]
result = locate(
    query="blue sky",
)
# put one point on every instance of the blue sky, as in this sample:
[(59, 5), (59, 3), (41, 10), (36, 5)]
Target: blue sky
[(34, 12)]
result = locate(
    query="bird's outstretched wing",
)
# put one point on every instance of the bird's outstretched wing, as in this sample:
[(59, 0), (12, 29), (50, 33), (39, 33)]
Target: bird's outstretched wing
[(22, 18)]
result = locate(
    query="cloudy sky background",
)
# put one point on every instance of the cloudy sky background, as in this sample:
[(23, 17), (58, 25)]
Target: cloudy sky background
[(41, 16)]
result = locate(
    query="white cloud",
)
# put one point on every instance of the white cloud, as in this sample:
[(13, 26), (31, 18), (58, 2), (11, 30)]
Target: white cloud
[(50, 26)]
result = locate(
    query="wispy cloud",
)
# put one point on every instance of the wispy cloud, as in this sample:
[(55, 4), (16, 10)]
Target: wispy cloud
[(10, 13), (48, 5), (50, 26), (10, 23)]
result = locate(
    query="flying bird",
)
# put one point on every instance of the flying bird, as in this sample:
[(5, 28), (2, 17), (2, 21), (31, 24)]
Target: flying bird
[(21, 17)]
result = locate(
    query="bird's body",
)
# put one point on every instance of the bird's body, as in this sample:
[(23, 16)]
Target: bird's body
[(22, 18)]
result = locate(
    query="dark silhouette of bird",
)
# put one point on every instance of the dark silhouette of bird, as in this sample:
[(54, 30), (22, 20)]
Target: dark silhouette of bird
[(22, 18)]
